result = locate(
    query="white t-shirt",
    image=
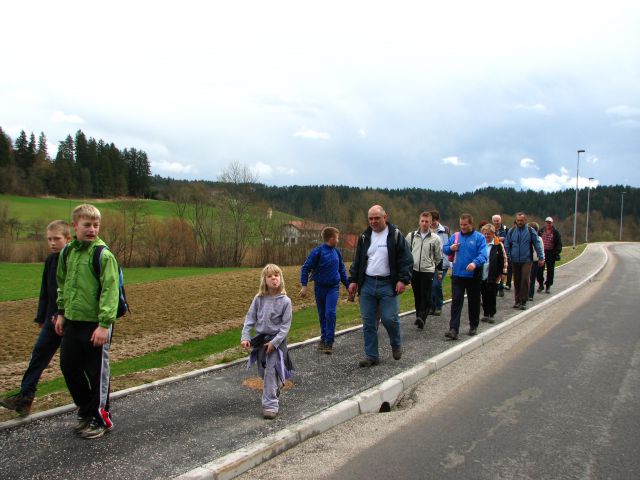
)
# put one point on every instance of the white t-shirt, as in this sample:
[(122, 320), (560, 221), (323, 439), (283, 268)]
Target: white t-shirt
[(378, 263)]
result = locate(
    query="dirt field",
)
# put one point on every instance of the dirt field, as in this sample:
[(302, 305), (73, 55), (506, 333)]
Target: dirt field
[(164, 313)]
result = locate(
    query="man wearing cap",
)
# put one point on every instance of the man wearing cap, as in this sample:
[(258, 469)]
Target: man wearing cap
[(552, 247)]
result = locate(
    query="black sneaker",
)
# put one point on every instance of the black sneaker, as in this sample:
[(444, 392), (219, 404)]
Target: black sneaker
[(452, 334), (540, 288), (491, 319), (437, 312), (420, 323), (396, 352), (368, 362), (523, 306), (485, 318), (473, 331), (95, 429), (501, 293), (19, 403), (547, 290)]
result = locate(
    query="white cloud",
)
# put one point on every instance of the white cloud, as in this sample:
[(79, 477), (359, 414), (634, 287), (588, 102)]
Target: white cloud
[(564, 171), (61, 117), (362, 132), (623, 111), (535, 107), (554, 182), (262, 170), (508, 183), (528, 163), (455, 161), (286, 171), (172, 167), (592, 159), (628, 123), (482, 185), (312, 134)]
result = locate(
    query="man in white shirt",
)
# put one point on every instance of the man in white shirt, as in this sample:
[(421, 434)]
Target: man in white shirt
[(380, 271)]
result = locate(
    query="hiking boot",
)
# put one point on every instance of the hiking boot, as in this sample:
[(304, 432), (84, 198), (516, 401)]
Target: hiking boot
[(473, 331), (491, 319), (420, 323), (396, 352), (368, 362), (547, 290), (437, 312), (485, 319), (328, 349), (95, 429), (523, 306), (269, 414), (540, 288), (501, 293), (82, 424), (452, 334), (321, 346), (19, 403)]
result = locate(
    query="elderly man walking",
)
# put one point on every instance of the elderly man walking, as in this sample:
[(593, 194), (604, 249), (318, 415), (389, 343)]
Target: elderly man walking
[(469, 248), (552, 248), (520, 243), (381, 269)]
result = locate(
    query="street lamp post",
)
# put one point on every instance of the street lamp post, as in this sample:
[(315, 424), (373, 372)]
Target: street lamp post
[(621, 209), (575, 214), (586, 233)]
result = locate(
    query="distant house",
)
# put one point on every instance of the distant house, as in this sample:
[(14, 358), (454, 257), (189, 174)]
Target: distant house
[(296, 232)]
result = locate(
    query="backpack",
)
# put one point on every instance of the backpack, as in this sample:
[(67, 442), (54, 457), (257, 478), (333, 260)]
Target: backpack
[(96, 263)]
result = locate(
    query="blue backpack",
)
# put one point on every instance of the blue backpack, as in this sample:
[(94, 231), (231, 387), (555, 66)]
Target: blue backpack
[(123, 304)]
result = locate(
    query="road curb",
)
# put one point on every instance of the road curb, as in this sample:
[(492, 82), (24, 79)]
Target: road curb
[(368, 401)]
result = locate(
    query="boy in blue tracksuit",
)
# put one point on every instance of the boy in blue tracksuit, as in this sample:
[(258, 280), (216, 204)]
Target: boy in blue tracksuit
[(469, 248), (327, 270)]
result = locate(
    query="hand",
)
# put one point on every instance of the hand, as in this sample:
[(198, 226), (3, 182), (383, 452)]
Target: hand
[(400, 288), (303, 291), (471, 267), (270, 348), (59, 327), (100, 336), (439, 276), (455, 247), (541, 263), (353, 289), (246, 344)]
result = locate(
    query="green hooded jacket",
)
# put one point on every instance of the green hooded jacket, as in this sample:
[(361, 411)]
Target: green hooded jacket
[(78, 287)]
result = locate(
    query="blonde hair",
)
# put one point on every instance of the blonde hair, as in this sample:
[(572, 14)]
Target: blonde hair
[(488, 226), (270, 269), (59, 226), (85, 210)]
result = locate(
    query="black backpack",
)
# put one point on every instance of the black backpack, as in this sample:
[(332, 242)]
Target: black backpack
[(96, 263)]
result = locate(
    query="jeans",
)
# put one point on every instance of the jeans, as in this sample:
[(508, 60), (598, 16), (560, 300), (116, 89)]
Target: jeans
[(373, 294), (458, 287), (326, 301), (421, 284), (438, 296), (43, 351)]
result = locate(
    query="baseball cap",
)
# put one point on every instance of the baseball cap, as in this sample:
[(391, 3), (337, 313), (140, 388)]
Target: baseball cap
[(548, 219)]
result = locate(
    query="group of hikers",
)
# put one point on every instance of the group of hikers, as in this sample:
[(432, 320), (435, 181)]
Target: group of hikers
[(81, 294)]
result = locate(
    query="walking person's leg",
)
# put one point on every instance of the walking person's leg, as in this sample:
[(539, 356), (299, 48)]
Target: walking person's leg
[(320, 293), (368, 307), (473, 301), (457, 299)]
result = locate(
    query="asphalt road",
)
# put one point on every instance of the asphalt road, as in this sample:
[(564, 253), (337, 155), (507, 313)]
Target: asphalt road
[(556, 398)]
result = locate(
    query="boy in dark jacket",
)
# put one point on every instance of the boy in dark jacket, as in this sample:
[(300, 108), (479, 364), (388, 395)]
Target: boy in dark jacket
[(327, 270), (492, 272), (58, 234)]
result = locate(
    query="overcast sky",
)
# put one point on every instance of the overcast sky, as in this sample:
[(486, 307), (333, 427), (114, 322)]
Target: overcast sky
[(451, 95)]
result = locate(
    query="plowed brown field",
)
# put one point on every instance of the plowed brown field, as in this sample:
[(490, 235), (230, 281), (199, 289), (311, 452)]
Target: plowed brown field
[(165, 313)]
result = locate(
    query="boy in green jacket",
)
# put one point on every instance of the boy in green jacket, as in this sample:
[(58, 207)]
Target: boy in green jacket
[(86, 313)]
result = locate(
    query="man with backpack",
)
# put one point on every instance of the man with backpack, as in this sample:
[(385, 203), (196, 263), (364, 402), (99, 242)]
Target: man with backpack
[(520, 243), (426, 250)]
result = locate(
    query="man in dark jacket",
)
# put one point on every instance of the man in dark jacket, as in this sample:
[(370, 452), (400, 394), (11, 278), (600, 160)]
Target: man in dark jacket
[(379, 272), (552, 242)]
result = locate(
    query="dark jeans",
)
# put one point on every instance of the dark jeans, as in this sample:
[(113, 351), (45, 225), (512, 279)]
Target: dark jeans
[(550, 264), (326, 301), (460, 285), (521, 279), (86, 370), (509, 274), (43, 351), (535, 270), (421, 283), (438, 296), (489, 290)]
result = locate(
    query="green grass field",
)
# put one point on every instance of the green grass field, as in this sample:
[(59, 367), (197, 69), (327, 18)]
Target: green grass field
[(22, 280)]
